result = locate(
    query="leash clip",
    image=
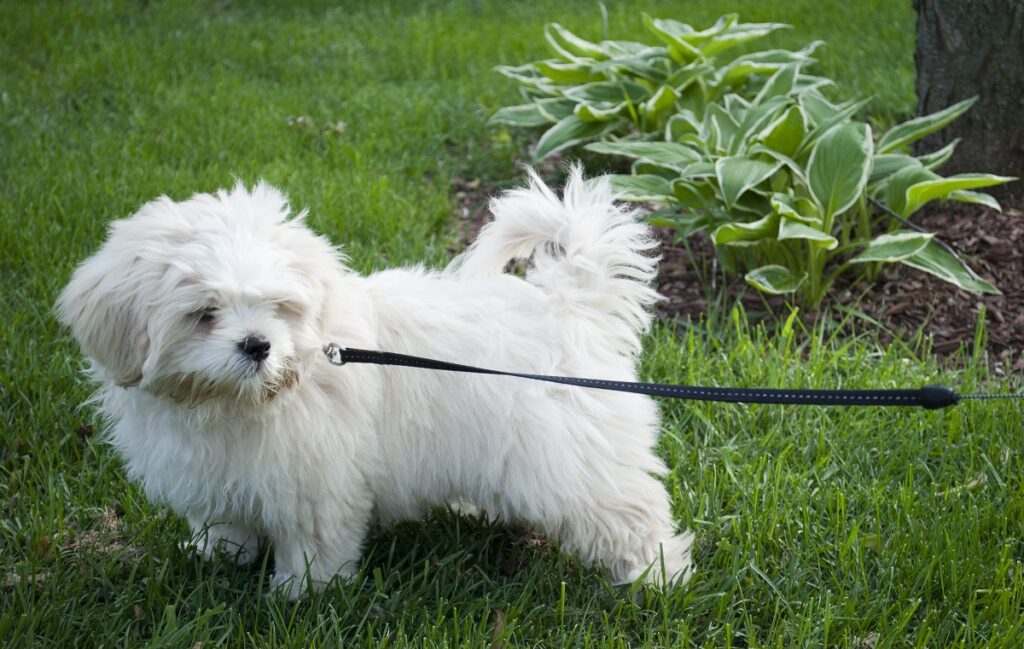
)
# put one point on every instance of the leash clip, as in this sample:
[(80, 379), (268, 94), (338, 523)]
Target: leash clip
[(335, 354)]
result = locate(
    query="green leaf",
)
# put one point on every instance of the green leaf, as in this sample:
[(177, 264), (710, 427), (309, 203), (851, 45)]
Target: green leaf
[(737, 174), (786, 132), (682, 123), (796, 209), (666, 153), (737, 35), (765, 62), (746, 234), (652, 64), (671, 32), (895, 246), (838, 168), (662, 101), (824, 124), (684, 76), (775, 280), (700, 169), (689, 192), (758, 150), (568, 132), (599, 111), (571, 46), (568, 73), (643, 167), (779, 84), (814, 236), (613, 92), (895, 194), (929, 190), (915, 129), (555, 109), (942, 263), (642, 188), (524, 74), (979, 198), (724, 128), (524, 116), (936, 159), (887, 164), (686, 222)]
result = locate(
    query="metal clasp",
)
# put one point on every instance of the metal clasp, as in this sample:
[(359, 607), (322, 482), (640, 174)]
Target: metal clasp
[(335, 354)]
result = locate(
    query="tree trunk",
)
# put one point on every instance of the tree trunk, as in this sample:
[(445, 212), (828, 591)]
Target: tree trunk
[(967, 48)]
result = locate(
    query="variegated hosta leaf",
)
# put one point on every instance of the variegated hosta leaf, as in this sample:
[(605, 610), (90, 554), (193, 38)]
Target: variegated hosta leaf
[(738, 34), (796, 209), (775, 280), (895, 246), (568, 132), (839, 166), (915, 129), (642, 188), (779, 84), (895, 191), (936, 159), (929, 190), (786, 132), (746, 234), (569, 73), (524, 116), (599, 111), (790, 229), (571, 46), (612, 92), (823, 124), (942, 263), (737, 174), (665, 153), (661, 103), (538, 113), (693, 192), (978, 198), (884, 165)]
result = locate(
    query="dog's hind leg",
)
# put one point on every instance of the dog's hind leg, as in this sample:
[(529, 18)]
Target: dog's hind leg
[(626, 527)]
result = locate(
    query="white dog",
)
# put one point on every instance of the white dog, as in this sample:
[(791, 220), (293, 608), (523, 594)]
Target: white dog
[(204, 321)]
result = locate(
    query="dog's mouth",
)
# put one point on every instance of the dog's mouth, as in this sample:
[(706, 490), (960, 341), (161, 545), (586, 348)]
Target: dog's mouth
[(253, 385)]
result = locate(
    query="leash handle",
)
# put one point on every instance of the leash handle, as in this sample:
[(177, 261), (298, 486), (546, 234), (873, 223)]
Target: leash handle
[(930, 397)]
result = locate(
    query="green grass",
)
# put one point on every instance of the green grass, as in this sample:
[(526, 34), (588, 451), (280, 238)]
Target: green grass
[(816, 527)]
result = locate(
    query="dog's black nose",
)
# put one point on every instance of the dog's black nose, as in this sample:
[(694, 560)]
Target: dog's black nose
[(256, 347)]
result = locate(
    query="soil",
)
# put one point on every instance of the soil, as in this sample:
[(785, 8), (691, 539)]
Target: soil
[(905, 302)]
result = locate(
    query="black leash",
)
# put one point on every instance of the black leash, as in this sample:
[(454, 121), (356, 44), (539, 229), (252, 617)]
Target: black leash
[(931, 397)]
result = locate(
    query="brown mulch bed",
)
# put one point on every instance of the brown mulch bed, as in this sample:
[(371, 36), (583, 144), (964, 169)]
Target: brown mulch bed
[(903, 300)]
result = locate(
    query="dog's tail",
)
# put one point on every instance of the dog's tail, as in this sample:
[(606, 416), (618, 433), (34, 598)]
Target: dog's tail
[(584, 250)]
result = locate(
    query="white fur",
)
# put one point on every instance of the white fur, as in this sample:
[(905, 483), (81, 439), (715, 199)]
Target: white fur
[(304, 454)]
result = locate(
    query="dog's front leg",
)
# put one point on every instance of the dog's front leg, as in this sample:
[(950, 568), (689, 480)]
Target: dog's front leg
[(328, 543), (232, 539)]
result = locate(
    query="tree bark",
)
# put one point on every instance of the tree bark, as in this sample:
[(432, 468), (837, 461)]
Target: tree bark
[(967, 48)]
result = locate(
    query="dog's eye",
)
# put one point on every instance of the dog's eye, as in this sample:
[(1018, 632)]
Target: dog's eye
[(207, 315)]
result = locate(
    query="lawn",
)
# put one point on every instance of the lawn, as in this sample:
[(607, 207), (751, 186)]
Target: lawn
[(853, 528)]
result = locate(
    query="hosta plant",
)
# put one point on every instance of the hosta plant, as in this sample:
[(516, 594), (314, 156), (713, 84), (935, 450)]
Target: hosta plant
[(782, 183), (590, 91)]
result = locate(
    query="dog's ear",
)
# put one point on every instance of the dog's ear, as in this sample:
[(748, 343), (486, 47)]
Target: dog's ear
[(103, 309)]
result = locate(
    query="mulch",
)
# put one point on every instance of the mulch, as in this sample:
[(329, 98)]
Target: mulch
[(901, 303)]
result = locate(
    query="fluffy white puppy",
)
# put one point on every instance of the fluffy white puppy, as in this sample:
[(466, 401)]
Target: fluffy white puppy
[(204, 321)]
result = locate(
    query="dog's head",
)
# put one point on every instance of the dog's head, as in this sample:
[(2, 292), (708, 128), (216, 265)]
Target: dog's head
[(218, 297)]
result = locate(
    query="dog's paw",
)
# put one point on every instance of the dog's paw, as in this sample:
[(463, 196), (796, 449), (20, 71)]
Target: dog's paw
[(288, 586), (208, 546)]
